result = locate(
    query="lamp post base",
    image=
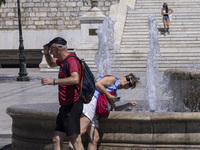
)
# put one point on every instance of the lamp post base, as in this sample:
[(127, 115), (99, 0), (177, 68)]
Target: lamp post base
[(22, 73), (23, 78)]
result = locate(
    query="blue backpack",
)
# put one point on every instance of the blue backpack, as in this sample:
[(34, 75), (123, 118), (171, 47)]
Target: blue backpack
[(87, 86)]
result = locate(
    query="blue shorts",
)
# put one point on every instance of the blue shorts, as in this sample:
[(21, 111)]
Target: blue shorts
[(165, 18)]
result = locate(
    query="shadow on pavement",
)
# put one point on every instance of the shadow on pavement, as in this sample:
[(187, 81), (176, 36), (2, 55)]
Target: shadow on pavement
[(7, 147), (4, 79)]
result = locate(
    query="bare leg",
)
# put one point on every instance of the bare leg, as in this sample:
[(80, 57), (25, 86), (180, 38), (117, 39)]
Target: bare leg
[(94, 138), (58, 140), (164, 23), (70, 146), (168, 25), (76, 142), (85, 122), (165, 30)]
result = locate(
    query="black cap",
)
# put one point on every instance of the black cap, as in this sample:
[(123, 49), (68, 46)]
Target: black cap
[(57, 40)]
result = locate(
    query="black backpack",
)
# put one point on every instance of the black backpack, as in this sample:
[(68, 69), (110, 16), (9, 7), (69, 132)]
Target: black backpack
[(87, 86)]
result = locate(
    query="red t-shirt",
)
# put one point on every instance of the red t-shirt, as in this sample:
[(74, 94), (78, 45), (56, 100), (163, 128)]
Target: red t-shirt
[(68, 93)]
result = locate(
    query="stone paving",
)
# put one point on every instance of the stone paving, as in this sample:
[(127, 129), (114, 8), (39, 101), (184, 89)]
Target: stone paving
[(14, 92)]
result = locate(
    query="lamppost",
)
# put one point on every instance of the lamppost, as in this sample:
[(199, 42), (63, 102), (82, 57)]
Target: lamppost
[(22, 66)]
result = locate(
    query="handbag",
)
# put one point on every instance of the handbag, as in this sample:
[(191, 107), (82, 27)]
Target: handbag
[(170, 17), (102, 104)]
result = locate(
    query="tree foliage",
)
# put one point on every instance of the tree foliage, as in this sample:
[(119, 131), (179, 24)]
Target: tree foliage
[(2, 2)]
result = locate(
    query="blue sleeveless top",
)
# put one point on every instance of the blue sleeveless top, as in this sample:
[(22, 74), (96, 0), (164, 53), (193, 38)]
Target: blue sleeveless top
[(165, 11), (109, 88)]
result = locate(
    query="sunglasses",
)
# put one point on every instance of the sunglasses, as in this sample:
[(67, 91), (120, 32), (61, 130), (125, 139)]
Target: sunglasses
[(128, 79), (54, 47)]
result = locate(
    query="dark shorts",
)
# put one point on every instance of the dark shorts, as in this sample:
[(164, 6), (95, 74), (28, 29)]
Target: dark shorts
[(68, 118)]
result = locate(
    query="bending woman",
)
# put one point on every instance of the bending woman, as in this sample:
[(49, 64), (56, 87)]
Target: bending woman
[(165, 12), (104, 85)]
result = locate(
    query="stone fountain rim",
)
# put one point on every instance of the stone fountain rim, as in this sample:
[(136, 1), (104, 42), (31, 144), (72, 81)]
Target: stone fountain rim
[(183, 74), (35, 111)]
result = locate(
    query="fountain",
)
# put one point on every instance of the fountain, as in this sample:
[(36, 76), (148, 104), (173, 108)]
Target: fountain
[(152, 67), (103, 57), (33, 126), (184, 87), (155, 129)]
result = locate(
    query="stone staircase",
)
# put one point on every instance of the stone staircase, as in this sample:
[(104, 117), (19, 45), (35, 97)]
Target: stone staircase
[(179, 49)]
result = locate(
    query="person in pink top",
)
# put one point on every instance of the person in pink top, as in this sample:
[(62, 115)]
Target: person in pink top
[(68, 118)]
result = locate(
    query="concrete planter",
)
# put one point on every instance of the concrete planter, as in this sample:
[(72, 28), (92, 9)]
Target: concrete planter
[(33, 126)]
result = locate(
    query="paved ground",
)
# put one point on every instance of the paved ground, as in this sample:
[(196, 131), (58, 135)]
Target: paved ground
[(14, 92)]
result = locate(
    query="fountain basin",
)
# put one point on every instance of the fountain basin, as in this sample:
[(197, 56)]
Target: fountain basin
[(184, 85), (33, 126)]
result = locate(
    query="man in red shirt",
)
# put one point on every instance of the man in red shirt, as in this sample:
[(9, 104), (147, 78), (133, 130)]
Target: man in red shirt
[(68, 119)]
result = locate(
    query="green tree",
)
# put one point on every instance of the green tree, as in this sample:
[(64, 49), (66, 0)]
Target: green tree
[(2, 2)]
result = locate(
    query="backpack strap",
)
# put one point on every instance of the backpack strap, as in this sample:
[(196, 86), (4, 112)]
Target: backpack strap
[(82, 72)]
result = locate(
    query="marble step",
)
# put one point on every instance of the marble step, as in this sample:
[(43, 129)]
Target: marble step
[(183, 5), (178, 56), (163, 46), (162, 62), (171, 35), (165, 39), (158, 3), (163, 49), (143, 56), (167, 1), (171, 42), (172, 28), (179, 49), (142, 68), (158, 11), (143, 63), (159, 16), (145, 22)]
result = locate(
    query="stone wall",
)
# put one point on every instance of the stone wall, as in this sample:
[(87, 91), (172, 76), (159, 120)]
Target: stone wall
[(42, 20), (47, 14)]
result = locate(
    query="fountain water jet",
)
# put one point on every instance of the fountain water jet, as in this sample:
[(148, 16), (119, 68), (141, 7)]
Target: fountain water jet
[(152, 67), (103, 57)]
